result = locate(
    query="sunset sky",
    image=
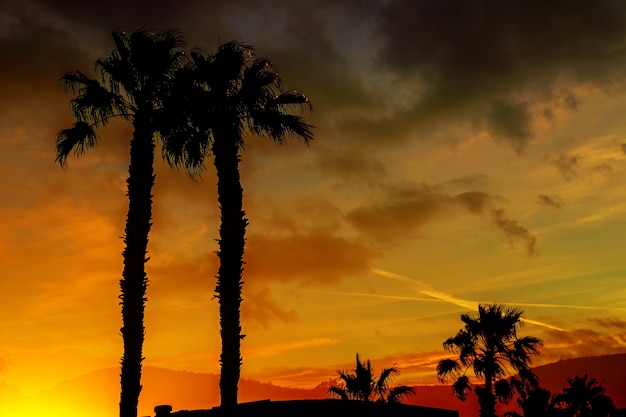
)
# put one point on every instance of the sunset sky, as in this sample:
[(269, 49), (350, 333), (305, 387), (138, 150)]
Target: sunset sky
[(465, 152)]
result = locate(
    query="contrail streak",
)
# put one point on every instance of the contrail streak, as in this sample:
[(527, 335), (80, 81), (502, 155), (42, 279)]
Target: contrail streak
[(374, 295), (423, 288)]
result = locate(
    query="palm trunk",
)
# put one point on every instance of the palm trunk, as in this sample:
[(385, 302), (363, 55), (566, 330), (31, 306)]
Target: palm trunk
[(486, 398), (231, 247), (134, 280)]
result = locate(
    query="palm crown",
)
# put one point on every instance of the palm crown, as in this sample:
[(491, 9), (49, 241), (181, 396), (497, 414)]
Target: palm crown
[(225, 94), (134, 79), (361, 384), (584, 397)]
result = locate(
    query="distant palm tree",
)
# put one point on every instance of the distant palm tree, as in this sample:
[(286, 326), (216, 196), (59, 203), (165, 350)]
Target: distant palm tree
[(362, 386), (134, 81), (533, 401), (486, 344), (584, 397), (219, 98)]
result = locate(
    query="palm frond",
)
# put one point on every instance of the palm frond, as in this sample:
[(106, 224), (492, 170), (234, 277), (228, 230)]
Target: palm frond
[(450, 344), (339, 392), (503, 390), (153, 53), (399, 392), (386, 375), (447, 368), (74, 140), (96, 105), (258, 76), (227, 65), (187, 149), (117, 72), (528, 378), (120, 38), (462, 387), (75, 82), (280, 126), (294, 98)]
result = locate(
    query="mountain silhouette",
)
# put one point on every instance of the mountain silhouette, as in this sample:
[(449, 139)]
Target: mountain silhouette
[(608, 370), (97, 393)]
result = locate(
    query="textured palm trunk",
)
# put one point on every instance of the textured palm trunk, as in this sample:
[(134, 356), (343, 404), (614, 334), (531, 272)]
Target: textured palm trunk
[(134, 280), (486, 398), (231, 248)]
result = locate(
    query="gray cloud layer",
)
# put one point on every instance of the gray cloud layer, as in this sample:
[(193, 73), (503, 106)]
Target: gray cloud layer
[(400, 212)]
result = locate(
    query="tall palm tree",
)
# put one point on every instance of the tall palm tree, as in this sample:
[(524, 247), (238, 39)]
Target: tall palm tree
[(487, 344), (224, 96), (362, 386), (133, 83), (584, 397)]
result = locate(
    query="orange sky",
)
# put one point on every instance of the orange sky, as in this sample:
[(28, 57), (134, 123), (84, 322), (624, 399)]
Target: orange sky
[(464, 152)]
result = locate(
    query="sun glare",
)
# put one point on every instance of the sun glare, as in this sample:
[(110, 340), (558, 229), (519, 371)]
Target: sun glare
[(35, 409)]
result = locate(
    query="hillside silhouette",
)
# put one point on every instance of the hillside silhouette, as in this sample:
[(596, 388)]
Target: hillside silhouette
[(96, 393), (608, 370)]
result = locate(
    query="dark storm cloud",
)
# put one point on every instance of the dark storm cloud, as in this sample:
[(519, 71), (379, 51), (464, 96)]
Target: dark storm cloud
[(40, 40), (34, 54), (157, 14), (550, 200), (400, 213), (477, 56), (510, 122), (490, 45)]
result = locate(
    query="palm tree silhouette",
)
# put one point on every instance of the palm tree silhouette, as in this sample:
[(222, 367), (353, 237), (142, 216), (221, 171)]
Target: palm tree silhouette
[(486, 344), (362, 386), (533, 401), (134, 81), (219, 98), (584, 397)]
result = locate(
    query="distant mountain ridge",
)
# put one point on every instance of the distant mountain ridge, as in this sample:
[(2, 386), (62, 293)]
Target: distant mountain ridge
[(98, 390), (608, 370)]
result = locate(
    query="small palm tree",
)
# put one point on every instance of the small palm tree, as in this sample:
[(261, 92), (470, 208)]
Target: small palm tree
[(219, 99), (486, 345), (362, 386), (135, 79), (533, 401), (584, 397)]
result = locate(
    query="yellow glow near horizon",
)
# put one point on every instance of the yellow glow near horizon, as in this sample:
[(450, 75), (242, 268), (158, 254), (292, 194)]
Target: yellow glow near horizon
[(26, 408)]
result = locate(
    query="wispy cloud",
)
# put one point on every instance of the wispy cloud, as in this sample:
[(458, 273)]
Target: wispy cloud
[(609, 323), (277, 348), (550, 200)]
